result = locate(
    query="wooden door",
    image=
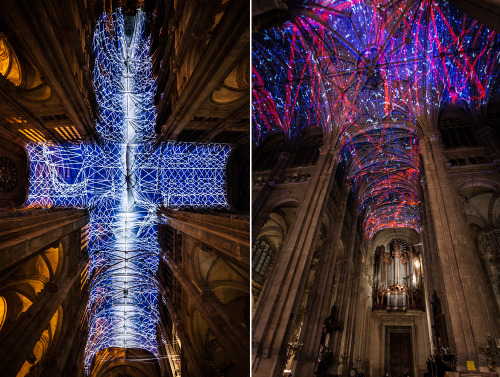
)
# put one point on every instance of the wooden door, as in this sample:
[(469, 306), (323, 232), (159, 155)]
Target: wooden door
[(400, 356)]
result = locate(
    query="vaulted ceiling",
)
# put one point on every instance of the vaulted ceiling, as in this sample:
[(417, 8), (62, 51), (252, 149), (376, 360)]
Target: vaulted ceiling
[(375, 76)]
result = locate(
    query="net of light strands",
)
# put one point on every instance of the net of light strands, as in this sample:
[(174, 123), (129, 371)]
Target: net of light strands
[(369, 72), (122, 180)]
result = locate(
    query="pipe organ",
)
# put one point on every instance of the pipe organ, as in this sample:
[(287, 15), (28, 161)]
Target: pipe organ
[(397, 283)]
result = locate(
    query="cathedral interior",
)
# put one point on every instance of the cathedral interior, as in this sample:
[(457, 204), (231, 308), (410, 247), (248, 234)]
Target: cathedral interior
[(375, 188), (124, 188), (128, 247)]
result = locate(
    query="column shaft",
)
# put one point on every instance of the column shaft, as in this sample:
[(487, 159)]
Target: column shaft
[(274, 317), (460, 267)]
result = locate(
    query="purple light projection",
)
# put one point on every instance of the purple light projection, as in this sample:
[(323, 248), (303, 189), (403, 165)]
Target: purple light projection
[(371, 73)]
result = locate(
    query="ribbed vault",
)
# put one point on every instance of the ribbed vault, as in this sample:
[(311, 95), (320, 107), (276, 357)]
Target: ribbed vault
[(374, 75)]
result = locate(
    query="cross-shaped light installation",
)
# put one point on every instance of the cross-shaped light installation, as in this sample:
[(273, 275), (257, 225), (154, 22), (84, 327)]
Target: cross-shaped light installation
[(123, 180)]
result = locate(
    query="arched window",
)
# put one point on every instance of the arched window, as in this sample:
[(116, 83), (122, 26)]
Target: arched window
[(456, 133), (3, 311), (308, 151), (261, 258), (267, 154)]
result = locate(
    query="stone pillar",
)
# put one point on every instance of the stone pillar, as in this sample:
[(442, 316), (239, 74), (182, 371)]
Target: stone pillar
[(340, 343), (362, 312), (343, 339), (274, 317), (232, 335), (18, 343), (432, 277), (319, 305), (464, 283), (70, 338), (427, 235), (491, 266)]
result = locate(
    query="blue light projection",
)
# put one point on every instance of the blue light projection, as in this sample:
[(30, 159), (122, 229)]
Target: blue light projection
[(372, 73), (122, 180)]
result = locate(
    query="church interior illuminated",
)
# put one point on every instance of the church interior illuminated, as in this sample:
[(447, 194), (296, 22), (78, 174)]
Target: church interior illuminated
[(124, 188), (313, 193), (375, 188)]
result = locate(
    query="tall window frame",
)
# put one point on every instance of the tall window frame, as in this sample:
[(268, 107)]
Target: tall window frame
[(262, 257)]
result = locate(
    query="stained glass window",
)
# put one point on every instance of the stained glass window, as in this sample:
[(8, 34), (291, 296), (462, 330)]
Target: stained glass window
[(262, 253)]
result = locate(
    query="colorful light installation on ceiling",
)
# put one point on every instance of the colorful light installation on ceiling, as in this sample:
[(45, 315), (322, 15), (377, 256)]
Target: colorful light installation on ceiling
[(122, 180), (384, 169), (371, 73)]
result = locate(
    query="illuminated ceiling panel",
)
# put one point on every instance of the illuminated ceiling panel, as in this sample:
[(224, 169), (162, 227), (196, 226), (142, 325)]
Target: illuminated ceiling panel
[(122, 180), (371, 73)]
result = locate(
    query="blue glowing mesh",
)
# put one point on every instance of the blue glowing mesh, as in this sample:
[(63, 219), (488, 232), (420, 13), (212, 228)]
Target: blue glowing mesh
[(122, 180)]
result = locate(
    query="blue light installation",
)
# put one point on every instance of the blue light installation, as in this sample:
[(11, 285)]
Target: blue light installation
[(371, 73), (122, 180)]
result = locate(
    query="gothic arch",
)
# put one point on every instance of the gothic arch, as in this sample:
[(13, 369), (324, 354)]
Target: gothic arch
[(274, 231), (208, 346), (130, 362), (483, 209), (199, 330), (384, 236), (228, 282), (284, 201), (478, 185), (3, 311), (482, 212), (21, 287), (22, 74), (234, 89), (41, 352)]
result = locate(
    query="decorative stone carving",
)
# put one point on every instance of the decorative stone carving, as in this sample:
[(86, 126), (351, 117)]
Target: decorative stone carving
[(8, 174)]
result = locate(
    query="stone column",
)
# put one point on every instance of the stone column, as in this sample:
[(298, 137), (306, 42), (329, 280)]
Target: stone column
[(431, 269), (232, 335), (274, 317), (464, 284), (319, 305), (18, 343), (340, 343), (362, 312), (492, 268), (70, 336), (344, 340)]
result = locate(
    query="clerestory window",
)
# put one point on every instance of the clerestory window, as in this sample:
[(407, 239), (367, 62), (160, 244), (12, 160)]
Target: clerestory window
[(262, 252), (456, 133)]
